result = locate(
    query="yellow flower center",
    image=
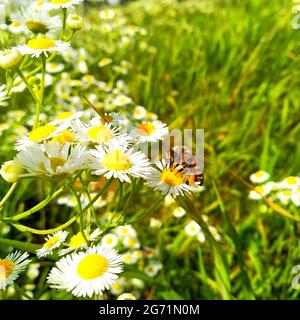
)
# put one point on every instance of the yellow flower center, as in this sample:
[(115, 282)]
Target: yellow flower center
[(146, 129), (51, 242), (6, 268), (108, 240), (259, 190), (287, 192), (116, 160), (60, 1), (259, 174), (41, 43), (101, 133), (56, 162), (16, 24), (77, 240), (41, 132), (92, 266), (65, 136), (131, 242), (291, 180), (39, 3), (63, 115), (171, 177)]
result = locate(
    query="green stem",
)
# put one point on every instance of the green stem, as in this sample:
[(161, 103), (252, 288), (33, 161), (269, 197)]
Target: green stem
[(21, 292), (35, 208), (39, 105), (71, 188), (64, 19), (8, 194), (125, 209), (23, 228), (21, 75)]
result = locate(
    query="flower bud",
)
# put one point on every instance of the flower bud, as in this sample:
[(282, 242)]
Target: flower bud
[(37, 26), (74, 22), (11, 171), (10, 59)]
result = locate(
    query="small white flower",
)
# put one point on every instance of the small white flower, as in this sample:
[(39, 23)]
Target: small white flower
[(109, 240), (259, 191), (55, 67), (126, 296), (52, 159), (295, 197), (86, 273), (129, 258), (37, 46), (192, 228), (121, 101), (125, 231), (153, 268), (120, 163), (259, 176), (52, 242), (150, 132), (131, 243), (284, 196), (139, 112), (290, 183), (179, 212), (104, 62), (107, 14), (11, 267)]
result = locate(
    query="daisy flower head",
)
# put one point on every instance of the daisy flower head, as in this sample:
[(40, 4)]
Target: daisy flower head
[(11, 267), (107, 14), (150, 132), (259, 191), (11, 171), (52, 159), (126, 296), (36, 20), (192, 228), (179, 212), (97, 132), (129, 258), (77, 241), (10, 59), (125, 231), (55, 67), (131, 243), (119, 162), (121, 101), (109, 240), (259, 176), (104, 62), (52, 242), (64, 4), (139, 112), (153, 268), (43, 46), (284, 196), (85, 274), (291, 182), (170, 180)]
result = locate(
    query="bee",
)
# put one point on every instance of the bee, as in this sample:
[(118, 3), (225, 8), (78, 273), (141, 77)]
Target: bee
[(182, 160)]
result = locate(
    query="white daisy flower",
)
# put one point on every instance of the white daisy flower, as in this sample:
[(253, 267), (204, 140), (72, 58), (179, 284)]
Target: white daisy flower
[(3, 96), (11, 267), (17, 27), (139, 112), (150, 132), (77, 241), (257, 193), (120, 163), (121, 101), (168, 201), (52, 242), (259, 176), (11, 171), (126, 296), (125, 231), (131, 243), (129, 258), (153, 268), (118, 287), (107, 14), (9, 59), (169, 180), (192, 228), (37, 46), (104, 62), (36, 20), (284, 196), (109, 240), (55, 67), (151, 116), (290, 183), (179, 212), (295, 197), (64, 4), (96, 132), (85, 274), (52, 159), (155, 223), (201, 237)]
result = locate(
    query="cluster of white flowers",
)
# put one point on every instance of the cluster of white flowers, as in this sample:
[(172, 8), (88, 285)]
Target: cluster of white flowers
[(286, 191)]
